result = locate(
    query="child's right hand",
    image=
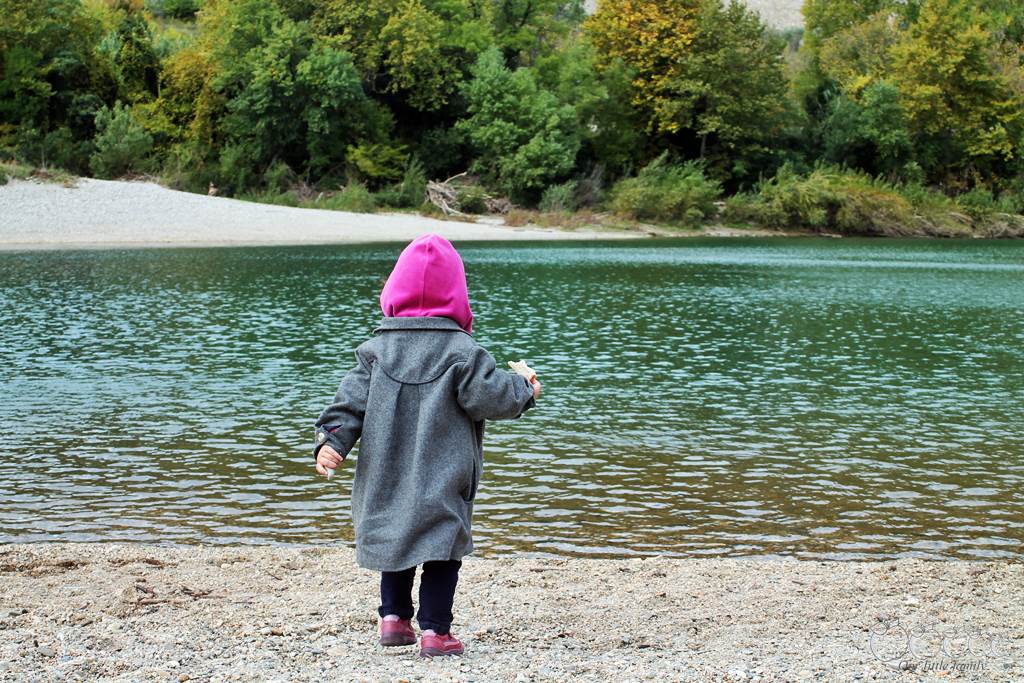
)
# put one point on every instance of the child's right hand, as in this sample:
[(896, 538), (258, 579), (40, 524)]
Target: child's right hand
[(327, 459)]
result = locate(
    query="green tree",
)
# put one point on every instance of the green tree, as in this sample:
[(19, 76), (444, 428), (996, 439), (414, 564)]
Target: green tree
[(122, 145), (51, 75), (137, 65), (709, 77), (526, 30), (418, 50), (653, 39), (731, 90), (414, 59), (870, 133), (611, 128), (826, 18), (276, 94), (523, 137)]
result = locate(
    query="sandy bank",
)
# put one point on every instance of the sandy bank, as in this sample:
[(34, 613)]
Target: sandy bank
[(134, 612), (105, 213)]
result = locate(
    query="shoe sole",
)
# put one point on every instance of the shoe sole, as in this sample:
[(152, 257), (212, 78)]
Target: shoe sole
[(397, 640), (431, 652)]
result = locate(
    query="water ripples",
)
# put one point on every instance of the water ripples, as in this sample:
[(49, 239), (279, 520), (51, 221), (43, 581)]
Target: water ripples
[(813, 398)]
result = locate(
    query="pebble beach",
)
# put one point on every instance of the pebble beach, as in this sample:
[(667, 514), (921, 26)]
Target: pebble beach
[(122, 612), (118, 214)]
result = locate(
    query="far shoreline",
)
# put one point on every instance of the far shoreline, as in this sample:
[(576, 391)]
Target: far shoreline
[(107, 214), (93, 215)]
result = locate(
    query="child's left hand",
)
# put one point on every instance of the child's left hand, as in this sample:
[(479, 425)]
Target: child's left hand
[(327, 459)]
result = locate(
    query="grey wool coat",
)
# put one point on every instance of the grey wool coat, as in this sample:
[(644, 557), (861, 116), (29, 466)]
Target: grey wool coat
[(417, 398)]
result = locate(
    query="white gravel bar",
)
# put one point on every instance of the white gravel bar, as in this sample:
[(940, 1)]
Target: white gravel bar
[(122, 612), (114, 214)]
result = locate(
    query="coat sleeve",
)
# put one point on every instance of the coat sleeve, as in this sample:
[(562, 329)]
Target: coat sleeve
[(341, 423), (486, 393)]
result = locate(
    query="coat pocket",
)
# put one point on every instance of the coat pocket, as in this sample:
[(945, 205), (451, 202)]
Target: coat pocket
[(469, 492)]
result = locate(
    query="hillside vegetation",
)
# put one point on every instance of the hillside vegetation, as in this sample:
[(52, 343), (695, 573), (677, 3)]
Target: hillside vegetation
[(875, 115)]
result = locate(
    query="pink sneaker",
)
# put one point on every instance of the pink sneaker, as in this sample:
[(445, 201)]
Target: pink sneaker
[(440, 646), (394, 633)]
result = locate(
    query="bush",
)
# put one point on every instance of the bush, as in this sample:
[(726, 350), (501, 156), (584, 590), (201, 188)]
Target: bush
[(981, 202), (185, 169), (848, 202), (745, 209), (391, 199), (122, 145), (413, 188), (181, 9), (559, 198), (828, 199), (667, 192), (353, 197), (278, 177), (472, 199), (270, 197), (378, 162), (408, 194)]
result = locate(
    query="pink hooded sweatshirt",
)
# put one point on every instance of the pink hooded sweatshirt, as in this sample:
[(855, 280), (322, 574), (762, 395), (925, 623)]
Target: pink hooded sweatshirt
[(428, 280)]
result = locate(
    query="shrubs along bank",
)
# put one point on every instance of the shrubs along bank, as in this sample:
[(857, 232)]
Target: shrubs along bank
[(837, 201), (885, 117)]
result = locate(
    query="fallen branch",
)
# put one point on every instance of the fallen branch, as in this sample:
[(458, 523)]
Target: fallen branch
[(445, 196)]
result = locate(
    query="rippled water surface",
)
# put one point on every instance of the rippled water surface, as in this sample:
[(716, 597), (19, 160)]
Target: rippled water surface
[(814, 398)]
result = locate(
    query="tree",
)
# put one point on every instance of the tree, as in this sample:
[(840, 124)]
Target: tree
[(414, 60), (709, 77), (956, 86), (52, 76), (869, 133), (526, 30), (731, 89), (269, 91), (418, 50), (609, 125), (653, 39), (523, 137), (136, 62), (122, 145), (860, 55), (825, 18), (354, 27)]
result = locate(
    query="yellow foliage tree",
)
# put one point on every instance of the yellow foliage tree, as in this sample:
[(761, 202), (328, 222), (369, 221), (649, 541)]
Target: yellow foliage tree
[(955, 80), (652, 37)]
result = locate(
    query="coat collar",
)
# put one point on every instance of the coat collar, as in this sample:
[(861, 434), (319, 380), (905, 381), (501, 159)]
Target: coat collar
[(419, 323)]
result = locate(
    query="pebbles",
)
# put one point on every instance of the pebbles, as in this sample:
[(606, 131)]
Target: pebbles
[(111, 213), (591, 620)]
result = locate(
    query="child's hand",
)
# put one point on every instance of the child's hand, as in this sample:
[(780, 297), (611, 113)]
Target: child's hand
[(327, 459), (523, 370)]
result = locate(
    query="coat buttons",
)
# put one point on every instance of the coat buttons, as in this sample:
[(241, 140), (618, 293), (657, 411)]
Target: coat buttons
[(320, 437)]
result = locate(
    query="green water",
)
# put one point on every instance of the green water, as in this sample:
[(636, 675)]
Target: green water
[(816, 398)]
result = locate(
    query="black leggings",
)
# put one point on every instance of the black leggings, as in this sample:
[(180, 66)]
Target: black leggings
[(437, 594)]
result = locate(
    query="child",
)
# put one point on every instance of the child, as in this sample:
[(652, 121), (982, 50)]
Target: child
[(418, 397)]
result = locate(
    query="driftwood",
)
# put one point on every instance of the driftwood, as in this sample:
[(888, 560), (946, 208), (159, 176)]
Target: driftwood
[(445, 196), (498, 204)]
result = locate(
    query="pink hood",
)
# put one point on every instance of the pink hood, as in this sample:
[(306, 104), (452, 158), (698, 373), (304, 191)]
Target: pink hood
[(428, 280)]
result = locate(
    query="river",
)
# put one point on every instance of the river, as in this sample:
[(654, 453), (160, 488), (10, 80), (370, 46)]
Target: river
[(815, 398)]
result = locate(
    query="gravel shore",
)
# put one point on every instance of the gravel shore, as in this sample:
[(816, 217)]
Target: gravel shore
[(137, 613), (107, 213)]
